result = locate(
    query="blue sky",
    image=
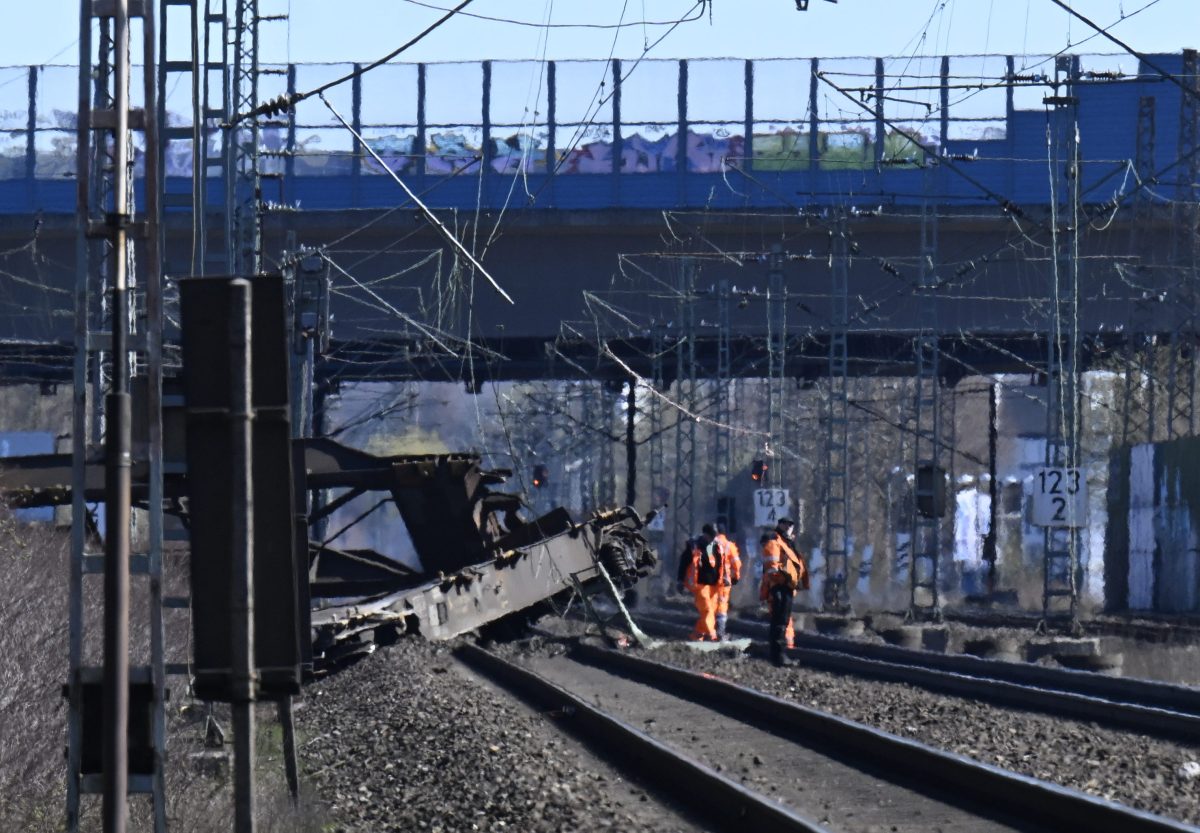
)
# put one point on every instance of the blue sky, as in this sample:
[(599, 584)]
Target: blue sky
[(349, 30), (913, 31)]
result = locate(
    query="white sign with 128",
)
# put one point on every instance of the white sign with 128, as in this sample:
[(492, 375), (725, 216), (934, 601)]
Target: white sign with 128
[(1059, 497), (770, 505)]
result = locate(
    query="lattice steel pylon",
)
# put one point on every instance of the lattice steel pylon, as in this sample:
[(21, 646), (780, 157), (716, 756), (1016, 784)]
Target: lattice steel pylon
[(658, 483), (684, 497), (924, 601), (1137, 420), (722, 413), (1062, 543), (837, 424), (108, 229), (606, 474), (214, 108), (243, 174), (584, 446), (1185, 248), (776, 363)]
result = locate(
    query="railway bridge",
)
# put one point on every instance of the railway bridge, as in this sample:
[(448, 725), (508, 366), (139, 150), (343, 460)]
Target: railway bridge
[(619, 200)]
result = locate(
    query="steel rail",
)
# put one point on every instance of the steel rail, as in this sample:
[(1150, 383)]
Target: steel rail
[(1035, 802), (1148, 695), (728, 805), (978, 681)]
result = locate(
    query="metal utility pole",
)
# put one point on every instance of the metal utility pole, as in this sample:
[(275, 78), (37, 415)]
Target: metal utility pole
[(309, 272), (837, 440), (722, 437), (243, 682), (117, 459), (585, 446), (1141, 344), (1185, 249), (989, 540), (631, 410), (929, 482), (685, 386), (243, 181), (1062, 377), (776, 361), (105, 212), (657, 449), (602, 443)]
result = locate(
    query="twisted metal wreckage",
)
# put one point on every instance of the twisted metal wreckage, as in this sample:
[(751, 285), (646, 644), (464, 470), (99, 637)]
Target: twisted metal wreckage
[(481, 563)]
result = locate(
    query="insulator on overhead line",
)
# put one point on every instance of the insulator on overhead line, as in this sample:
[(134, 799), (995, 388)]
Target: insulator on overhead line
[(276, 106), (1010, 207)]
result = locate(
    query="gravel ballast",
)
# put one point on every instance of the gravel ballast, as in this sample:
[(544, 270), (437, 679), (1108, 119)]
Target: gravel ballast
[(407, 739), (1135, 770)]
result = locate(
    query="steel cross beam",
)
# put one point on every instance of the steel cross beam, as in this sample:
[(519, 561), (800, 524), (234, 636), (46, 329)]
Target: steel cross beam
[(1062, 543)]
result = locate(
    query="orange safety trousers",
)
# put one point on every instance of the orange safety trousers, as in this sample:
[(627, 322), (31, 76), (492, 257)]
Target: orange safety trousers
[(723, 593), (706, 605), (789, 631)]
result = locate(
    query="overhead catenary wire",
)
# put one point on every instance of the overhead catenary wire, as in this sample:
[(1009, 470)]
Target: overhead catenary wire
[(1103, 32), (535, 25), (289, 100), (433, 219)]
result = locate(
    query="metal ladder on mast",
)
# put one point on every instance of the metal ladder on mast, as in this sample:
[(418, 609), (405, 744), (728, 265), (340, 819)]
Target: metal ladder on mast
[(837, 424), (929, 486), (1062, 543)]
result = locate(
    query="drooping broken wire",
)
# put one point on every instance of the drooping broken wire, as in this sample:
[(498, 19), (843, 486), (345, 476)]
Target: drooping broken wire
[(433, 219)]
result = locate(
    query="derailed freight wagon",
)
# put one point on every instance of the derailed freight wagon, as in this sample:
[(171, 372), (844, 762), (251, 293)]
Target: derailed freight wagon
[(482, 563)]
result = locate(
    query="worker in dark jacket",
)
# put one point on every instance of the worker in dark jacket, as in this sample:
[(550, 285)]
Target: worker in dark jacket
[(784, 572), (690, 546)]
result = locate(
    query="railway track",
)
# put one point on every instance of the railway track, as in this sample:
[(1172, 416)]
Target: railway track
[(1154, 708), (742, 759)]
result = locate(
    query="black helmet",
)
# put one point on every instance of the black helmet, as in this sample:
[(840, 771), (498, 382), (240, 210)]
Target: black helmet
[(708, 530)]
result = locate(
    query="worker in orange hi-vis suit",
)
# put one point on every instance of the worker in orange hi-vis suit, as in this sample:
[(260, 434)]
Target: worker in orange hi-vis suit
[(784, 571), (703, 579), (731, 574)]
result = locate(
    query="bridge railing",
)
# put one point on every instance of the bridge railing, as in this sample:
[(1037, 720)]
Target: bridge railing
[(615, 118)]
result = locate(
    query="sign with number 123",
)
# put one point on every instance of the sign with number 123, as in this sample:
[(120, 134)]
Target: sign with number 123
[(1059, 497)]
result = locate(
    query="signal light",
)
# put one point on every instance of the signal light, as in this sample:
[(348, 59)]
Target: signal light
[(541, 475), (758, 471)]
